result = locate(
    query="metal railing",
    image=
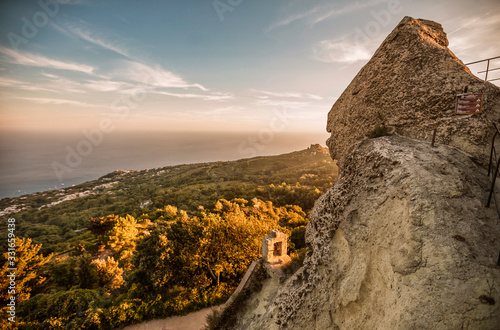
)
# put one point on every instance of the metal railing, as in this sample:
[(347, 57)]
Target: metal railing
[(494, 162), (487, 67)]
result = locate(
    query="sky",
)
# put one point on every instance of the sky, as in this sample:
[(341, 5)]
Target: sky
[(211, 66)]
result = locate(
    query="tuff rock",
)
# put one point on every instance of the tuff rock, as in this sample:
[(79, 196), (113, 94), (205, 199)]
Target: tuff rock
[(403, 239), (409, 86)]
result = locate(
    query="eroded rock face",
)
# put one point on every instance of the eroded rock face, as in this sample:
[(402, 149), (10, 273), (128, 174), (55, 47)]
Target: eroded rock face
[(402, 241), (410, 85)]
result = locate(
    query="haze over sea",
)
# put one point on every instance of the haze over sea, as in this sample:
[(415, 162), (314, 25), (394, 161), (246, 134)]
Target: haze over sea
[(26, 158)]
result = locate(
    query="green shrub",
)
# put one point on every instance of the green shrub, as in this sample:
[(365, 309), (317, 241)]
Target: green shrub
[(296, 262), (76, 309), (298, 237), (378, 131)]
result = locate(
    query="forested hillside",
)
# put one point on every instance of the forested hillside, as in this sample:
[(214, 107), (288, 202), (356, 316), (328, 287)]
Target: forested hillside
[(135, 245)]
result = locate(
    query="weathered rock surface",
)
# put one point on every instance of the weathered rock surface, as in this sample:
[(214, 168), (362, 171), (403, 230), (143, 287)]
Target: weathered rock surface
[(410, 85), (403, 239)]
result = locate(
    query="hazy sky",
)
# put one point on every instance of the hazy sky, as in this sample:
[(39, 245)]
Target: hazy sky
[(228, 65)]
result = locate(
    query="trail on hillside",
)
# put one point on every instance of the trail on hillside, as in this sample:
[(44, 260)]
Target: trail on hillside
[(192, 321)]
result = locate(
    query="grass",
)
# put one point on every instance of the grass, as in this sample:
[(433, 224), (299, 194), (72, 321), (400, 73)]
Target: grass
[(378, 131)]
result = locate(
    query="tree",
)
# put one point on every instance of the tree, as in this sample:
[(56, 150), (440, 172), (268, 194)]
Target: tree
[(207, 249), (152, 259), (109, 273), (62, 272), (86, 272), (122, 238), (298, 237), (102, 225), (27, 274)]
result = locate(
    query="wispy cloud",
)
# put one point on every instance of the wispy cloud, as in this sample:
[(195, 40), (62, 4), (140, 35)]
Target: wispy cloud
[(341, 51), (23, 85), (219, 114), (153, 76), (28, 59), (62, 102), (266, 94), (352, 7), (76, 2), (476, 38), (100, 41), (205, 97), (323, 12), (133, 68), (290, 19), (283, 103), (106, 85), (121, 75), (301, 105)]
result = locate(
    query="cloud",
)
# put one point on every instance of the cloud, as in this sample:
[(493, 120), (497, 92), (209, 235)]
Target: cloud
[(62, 102), (352, 7), (205, 97), (283, 103), (152, 76), (294, 18), (99, 41), (75, 2), (133, 69), (106, 85), (476, 38), (266, 94), (26, 86), (341, 51), (24, 58), (219, 113), (323, 12), (302, 102), (124, 76)]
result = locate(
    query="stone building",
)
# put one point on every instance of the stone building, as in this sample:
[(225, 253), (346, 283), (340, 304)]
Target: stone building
[(274, 248)]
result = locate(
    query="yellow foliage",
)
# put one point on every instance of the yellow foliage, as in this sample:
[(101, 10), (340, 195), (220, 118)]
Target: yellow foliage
[(110, 274)]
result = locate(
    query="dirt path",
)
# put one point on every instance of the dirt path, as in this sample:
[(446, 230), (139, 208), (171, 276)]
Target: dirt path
[(193, 321)]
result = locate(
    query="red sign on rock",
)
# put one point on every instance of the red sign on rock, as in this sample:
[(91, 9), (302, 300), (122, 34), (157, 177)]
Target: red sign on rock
[(469, 103)]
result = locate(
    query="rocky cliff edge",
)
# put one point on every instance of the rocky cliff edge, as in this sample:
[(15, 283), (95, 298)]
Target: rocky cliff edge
[(403, 240)]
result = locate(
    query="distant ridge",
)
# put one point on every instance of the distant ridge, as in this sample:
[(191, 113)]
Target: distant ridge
[(294, 178)]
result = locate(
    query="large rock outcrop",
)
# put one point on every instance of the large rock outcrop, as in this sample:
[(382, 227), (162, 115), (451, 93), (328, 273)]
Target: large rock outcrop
[(403, 239), (410, 85)]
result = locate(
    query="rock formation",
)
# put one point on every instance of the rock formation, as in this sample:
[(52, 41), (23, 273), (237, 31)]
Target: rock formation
[(403, 239), (409, 86)]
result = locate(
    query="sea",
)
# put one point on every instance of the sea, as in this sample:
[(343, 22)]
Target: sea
[(39, 161)]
